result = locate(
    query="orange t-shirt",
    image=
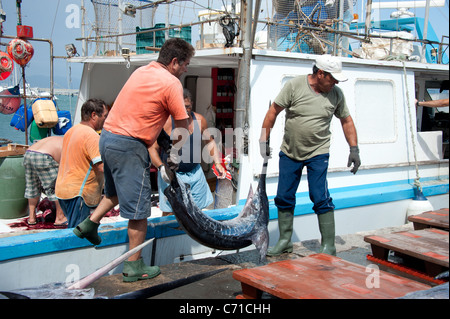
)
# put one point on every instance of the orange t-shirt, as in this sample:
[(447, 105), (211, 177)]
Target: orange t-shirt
[(145, 102), (76, 176)]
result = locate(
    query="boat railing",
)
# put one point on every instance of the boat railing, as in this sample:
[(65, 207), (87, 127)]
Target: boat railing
[(291, 27)]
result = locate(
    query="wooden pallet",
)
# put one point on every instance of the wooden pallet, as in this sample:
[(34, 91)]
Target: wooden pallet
[(436, 219), (425, 250), (322, 276), (13, 150)]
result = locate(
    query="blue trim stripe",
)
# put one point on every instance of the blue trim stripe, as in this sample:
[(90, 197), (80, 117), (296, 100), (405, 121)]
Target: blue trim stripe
[(85, 179), (116, 233)]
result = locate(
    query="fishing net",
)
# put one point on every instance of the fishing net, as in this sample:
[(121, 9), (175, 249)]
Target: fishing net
[(299, 25), (111, 20)]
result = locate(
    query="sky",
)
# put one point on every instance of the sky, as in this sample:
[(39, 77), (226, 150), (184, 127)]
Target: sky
[(56, 20)]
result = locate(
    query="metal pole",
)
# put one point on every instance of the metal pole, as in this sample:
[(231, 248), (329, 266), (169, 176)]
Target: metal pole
[(255, 22), (25, 105), (243, 84), (368, 14), (120, 25), (166, 33), (425, 32), (341, 26), (83, 26)]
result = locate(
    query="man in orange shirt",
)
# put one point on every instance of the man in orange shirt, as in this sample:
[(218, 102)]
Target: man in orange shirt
[(151, 94), (79, 183)]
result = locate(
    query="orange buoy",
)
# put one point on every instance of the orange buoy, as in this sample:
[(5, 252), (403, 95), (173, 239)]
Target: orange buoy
[(21, 51), (9, 105), (6, 65)]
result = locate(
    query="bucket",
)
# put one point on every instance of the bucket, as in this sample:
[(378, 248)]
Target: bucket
[(37, 133), (12, 187)]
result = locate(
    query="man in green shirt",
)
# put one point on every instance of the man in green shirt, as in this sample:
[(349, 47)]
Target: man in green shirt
[(310, 101)]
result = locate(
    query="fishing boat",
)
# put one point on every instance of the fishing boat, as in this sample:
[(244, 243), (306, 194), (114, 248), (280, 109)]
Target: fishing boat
[(237, 71)]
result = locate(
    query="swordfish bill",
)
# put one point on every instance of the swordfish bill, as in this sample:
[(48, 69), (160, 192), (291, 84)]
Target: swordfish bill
[(249, 227)]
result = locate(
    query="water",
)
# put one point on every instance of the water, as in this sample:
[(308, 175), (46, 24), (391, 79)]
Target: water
[(63, 103)]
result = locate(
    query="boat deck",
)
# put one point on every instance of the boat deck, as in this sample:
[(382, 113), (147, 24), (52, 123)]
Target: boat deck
[(350, 248)]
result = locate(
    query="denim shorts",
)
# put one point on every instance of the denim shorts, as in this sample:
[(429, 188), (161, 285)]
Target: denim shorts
[(126, 165), (199, 189), (75, 210), (290, 175)]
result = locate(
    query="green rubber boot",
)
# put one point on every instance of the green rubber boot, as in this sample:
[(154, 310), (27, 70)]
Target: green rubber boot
[(137, 270), (88, 229), (327, 231), (285, 226)]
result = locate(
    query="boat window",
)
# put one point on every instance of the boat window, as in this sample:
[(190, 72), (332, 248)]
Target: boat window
[(375, 111), (436, 118)]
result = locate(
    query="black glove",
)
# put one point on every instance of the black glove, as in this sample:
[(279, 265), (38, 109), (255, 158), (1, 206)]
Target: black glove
[(354, 158), (264, 149), (164, 141)]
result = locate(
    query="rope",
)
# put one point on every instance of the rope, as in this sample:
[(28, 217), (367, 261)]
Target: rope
[(22, 52), (417, 180), (9, 64), (4, 141)]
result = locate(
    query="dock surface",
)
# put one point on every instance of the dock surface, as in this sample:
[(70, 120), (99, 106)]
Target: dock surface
[(350, 248), (322, 276)]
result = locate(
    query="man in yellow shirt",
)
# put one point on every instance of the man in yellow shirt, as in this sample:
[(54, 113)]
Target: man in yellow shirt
[(80, 177)]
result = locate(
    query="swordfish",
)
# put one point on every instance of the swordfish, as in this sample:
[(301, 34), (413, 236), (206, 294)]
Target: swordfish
[(249, 227)]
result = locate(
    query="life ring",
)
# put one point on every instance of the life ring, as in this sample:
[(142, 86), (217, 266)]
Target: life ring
[(21, 51), (6, 65)]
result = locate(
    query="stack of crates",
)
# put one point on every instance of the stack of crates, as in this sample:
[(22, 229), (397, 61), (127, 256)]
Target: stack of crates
[(156, 39)]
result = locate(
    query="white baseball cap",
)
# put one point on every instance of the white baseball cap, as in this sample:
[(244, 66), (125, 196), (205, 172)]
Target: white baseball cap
[(331, 65)]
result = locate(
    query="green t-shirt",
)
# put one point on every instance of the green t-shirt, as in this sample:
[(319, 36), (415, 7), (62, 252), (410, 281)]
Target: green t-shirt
[(308, 118)]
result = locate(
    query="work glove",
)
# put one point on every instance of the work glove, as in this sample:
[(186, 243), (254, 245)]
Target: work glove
[(174, 158), (166, 173), (354, 158), (264, 149)]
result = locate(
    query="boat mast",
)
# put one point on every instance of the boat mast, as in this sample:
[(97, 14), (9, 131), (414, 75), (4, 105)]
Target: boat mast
[(243, 82), (425, 31)]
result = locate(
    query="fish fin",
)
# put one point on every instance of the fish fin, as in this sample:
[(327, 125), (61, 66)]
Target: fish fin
[(247, 207), (261, 241)]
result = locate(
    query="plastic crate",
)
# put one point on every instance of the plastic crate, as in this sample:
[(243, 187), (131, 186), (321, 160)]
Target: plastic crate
[(157, 38)]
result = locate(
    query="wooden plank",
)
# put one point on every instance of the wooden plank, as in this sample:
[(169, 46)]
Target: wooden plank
[(13, 150), (324, 277), (435, 219), (430, 245)]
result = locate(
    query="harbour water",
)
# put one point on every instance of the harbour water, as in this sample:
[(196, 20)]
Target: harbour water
[(64, 102)]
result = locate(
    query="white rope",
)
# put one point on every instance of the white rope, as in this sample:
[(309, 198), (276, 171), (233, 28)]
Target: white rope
[(411, 128)]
